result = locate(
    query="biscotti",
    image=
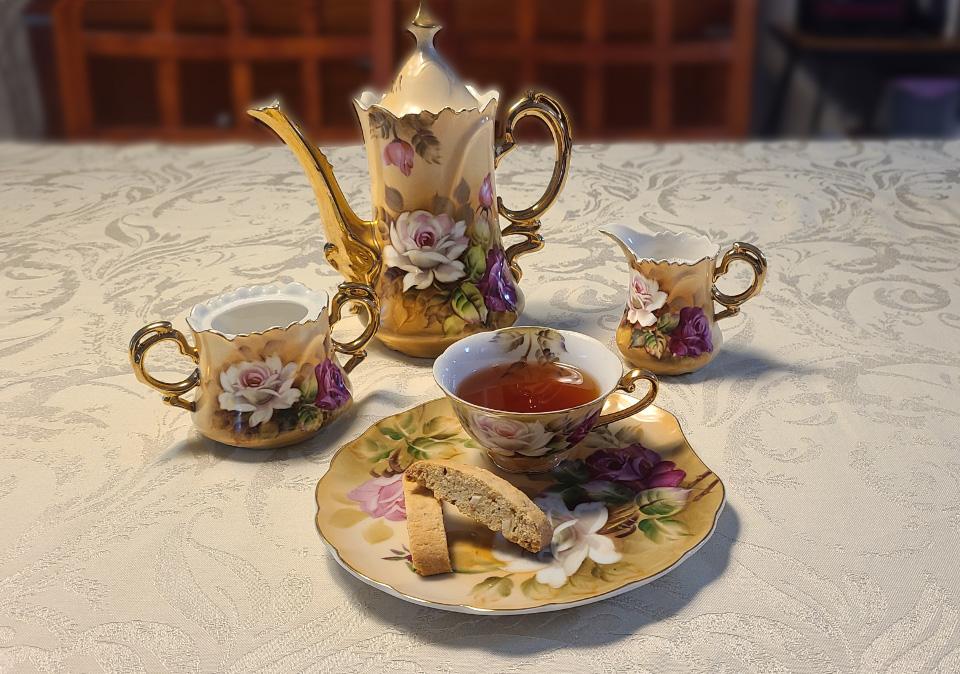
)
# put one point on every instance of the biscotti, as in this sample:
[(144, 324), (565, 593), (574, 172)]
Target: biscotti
[(486, 498), (428, 538)]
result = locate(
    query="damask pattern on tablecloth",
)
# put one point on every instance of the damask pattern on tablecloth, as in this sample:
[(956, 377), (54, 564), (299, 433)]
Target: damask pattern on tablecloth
[(832, 414)]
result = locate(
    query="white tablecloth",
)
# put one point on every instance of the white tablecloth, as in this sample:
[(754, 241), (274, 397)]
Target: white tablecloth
[(129, 543)]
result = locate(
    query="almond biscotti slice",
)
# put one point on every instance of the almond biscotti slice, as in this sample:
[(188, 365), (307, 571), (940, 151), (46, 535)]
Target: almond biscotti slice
[(428, 538), (486, 498)]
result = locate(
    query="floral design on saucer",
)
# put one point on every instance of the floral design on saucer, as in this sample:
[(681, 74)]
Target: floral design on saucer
[(632, 502)]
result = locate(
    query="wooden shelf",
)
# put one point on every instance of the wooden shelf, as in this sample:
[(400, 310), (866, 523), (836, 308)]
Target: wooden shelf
[(188, 69)]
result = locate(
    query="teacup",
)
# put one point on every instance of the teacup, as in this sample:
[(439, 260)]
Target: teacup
[(267, 372), (531, 442), (669, 325)]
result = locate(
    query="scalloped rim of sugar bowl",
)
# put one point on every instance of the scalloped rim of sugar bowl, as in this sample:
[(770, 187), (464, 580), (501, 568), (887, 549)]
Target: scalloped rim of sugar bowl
[(203, 315)]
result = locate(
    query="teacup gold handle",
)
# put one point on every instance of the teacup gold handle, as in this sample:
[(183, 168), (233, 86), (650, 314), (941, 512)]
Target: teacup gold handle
[(365, 296), (525, 221), (150, 335), (627, 384), (744, 252)]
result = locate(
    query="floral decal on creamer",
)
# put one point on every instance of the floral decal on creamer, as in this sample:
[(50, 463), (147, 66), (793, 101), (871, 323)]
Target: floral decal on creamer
[(662, 330)]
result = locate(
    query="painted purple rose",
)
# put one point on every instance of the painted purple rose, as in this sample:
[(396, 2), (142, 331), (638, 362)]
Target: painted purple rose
[(496, 284), (486, 193), (692, 335), (635, 465), (582, 429), (381, 497), (399, 153), (332, 391)]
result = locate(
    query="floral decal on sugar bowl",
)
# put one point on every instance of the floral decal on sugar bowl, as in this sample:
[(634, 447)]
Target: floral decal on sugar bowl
[(259, 387), (267, 397)]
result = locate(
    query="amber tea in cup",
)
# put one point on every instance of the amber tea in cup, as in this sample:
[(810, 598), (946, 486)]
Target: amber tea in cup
[(529, 387), (529, 394)]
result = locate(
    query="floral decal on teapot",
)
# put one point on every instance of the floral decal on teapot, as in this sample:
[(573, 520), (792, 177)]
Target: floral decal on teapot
[(263, 398), (400, 153), (444, 266), (658, 329)]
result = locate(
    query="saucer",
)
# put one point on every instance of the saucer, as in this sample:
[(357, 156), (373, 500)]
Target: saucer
[(631, 503)]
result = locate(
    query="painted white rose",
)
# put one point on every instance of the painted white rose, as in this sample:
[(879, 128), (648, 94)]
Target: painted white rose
[(258, 387), (426, 246), (506, 436), (575, 539), (645, 298)]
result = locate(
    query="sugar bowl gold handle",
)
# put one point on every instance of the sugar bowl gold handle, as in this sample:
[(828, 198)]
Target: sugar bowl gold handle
[(363, 295), (627, 384), (525, 221), (146, 338), (743, 252)]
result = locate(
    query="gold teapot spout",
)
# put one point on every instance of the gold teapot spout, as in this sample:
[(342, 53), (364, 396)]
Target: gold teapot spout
[(352, 247)]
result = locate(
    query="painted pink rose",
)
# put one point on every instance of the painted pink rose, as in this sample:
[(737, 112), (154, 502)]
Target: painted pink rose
[(486, 193), (692, 335), (258, 387), (645, 298), (381, 497), (426, 247), (399, 153)]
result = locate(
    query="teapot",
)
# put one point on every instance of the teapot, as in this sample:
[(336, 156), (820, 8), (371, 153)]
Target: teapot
[(434, 249)]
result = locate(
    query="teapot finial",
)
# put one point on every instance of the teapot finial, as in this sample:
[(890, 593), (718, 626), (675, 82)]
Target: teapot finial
[(424, 19)]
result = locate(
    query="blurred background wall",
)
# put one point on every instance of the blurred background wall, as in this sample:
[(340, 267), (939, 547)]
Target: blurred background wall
[(186, 70)]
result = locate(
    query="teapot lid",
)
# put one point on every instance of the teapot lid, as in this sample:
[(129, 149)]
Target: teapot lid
[(426, 81)]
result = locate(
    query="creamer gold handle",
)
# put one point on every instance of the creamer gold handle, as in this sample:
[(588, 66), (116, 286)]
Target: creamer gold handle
[(525, 222), (743, 252), (364, 295), (627, 384), (145, 339)]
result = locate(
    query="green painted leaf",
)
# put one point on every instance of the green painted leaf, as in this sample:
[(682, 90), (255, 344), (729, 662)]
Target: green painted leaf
[(637, 338), (571, 472), (309, 417), (668, 322), (536, 590), (494, 587), (611, 493), (662, 501), (391, 433), (476, 262), (453, 325), (393, 199), (467, 302), (442, 428), (654, 343), (663, 529), (427, 145), (462, 193), (308, 388)]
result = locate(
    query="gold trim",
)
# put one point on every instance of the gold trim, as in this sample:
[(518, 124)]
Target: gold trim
[(753, 256), (628, 383), (146, 338), (367, 298), (540, 608)]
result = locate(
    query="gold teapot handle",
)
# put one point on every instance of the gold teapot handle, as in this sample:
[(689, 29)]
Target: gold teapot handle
[(146, 338), (526, 221), (367, 298), (744, 252)]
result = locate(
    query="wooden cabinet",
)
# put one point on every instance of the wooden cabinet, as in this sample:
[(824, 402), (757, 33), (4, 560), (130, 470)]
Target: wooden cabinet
[(188, 69)]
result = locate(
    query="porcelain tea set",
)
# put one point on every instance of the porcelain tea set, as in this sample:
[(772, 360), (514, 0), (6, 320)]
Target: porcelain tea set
[(433, 279)]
